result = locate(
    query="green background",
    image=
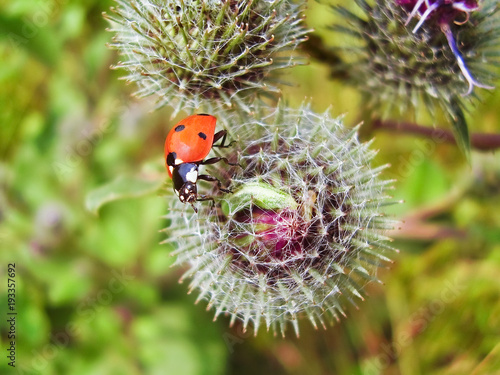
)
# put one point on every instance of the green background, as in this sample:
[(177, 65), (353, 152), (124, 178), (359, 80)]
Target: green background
[(95, 293)]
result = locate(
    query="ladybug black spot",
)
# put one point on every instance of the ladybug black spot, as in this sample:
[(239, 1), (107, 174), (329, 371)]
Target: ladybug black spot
[(203, 114), (202, 135), (171, 159), (179, 128)]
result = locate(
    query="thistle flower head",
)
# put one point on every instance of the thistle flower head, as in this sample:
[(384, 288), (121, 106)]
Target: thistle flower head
[(302, 232), (194, 52), (429, 52), (443, 11)]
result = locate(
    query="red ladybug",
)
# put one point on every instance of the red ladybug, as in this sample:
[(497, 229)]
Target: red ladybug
[(187, 144)]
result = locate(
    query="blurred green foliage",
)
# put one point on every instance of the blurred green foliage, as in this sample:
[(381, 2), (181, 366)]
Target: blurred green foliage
[(95, 292)]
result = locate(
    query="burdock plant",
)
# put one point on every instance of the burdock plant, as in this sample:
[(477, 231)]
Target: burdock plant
[(206, 53), (416, 54), (301, 234)]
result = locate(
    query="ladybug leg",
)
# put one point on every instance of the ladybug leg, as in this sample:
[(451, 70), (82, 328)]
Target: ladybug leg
[(206, 177), (221, 134), (202, 198), (206, 198), (216, 160)]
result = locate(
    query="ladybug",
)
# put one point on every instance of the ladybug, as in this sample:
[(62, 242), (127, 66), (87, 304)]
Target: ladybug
[(186, 146)]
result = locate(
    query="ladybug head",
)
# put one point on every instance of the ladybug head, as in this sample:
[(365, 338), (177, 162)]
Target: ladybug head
[(188, 193), (184, 177)]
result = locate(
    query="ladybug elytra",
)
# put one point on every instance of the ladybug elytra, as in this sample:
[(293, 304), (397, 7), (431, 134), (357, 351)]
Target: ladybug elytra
[(186, 146)]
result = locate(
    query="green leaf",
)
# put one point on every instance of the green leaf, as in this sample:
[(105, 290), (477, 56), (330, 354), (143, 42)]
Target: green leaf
[(426, 183), (172, 339), (261, 194), (39, 41), (490, 364), (122, 187), (460, 128)]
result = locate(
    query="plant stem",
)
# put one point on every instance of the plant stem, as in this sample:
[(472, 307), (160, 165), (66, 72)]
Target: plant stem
[(479, 141)]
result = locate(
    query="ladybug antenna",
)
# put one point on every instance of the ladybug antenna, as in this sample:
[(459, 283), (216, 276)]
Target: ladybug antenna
[(194, 208)]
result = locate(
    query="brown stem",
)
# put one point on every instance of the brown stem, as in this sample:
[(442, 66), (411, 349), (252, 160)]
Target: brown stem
[(418, 225), (483, 142)]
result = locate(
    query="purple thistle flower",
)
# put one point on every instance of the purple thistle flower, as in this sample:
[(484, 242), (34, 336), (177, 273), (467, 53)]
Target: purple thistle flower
[(277, 235), (443, 13)]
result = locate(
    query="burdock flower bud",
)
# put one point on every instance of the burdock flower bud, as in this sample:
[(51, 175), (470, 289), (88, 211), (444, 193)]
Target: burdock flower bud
[(302, 232), (422, 53), (196, 53)]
